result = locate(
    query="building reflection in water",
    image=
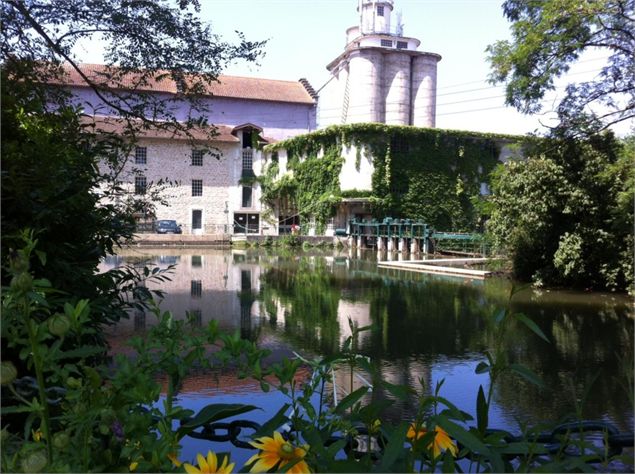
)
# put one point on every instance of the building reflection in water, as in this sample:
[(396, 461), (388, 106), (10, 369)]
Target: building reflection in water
[(424, 328)]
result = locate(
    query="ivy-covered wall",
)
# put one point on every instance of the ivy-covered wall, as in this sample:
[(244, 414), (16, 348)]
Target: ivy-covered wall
[(433, 175)]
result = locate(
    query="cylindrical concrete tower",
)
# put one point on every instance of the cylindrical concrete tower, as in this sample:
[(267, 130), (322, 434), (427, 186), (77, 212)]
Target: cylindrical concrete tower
[(374, 16), (388, 81), (424, 90), (365, 101), (396, 80)]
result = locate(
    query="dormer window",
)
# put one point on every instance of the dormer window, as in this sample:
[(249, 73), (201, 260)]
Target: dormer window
[(386, 43), (402, 45), (380, 10)]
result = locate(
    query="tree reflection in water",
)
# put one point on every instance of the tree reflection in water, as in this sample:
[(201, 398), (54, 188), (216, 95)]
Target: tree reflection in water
[(423, 327)]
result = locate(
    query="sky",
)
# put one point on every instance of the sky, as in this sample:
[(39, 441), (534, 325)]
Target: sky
[(303, 36)]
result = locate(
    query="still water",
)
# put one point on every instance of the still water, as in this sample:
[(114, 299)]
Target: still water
[(424, 328)]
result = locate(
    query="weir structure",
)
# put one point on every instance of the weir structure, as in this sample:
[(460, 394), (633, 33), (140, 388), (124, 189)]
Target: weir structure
[(401, 235)]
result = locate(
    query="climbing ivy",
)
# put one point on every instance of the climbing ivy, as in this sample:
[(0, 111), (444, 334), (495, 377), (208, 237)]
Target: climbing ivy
[(420, 173), (312, 185)]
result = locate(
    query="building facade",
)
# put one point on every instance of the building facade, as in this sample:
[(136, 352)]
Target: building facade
[(381, 76), (206, 192)]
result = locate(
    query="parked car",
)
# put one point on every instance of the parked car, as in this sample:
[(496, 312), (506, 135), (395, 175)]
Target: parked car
[(167, 226)]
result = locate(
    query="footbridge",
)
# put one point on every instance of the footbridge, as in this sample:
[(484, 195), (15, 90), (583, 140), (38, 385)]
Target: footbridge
[(406, 235)]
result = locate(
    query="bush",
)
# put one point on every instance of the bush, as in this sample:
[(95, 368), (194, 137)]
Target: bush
[(561, 214)]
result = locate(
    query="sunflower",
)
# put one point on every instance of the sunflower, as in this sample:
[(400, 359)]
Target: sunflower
[(442, 440), (276, 450), (209, 465)]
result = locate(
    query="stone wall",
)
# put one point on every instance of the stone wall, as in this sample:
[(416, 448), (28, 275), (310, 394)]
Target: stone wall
[(169, 170)]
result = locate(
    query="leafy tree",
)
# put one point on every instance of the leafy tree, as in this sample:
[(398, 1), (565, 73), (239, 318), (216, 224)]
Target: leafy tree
[(565, 215), (547, 36), (52, 181)]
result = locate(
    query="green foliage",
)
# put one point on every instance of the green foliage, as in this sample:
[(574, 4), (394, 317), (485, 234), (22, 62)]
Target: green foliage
[(561, 215), (86, 417), (312, 186), (427, 174), (547, 37)]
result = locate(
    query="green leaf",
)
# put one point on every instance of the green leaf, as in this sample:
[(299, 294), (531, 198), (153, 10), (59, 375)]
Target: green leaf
[(211, 413), (482, 367), (350, 400), (274, 423), (394, 447), (500, 315), (481, 410), (523, 448), (531, 325), (81, 353), (463, 436), (527, 374), (18, 409), (402, 392), (347, 466)]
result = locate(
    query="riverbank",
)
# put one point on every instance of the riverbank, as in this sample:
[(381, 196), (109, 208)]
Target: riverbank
[(229, 240)]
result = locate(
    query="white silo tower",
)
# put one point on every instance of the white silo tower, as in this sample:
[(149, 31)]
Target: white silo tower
[(380, 76)]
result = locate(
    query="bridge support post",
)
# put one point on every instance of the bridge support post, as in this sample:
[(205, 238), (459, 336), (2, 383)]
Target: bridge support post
[(380, 244), (351, 241), (360, 242), (403, 245), (414, 246), (426, 246), (391, 244)]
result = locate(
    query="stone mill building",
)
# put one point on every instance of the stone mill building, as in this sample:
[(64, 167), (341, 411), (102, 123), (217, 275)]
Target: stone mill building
[(381, 76)]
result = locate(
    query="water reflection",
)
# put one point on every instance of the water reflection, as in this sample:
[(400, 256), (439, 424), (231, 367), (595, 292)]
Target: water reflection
[(424, 327)]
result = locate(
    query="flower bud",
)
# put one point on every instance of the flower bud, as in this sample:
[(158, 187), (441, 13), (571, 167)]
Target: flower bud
[(61, 440), (8, 372), (34, 462), (19, 263), (59, 324), (22, 282), (73, 383)]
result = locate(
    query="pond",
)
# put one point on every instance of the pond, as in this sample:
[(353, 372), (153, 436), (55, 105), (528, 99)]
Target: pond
[(424, 328)]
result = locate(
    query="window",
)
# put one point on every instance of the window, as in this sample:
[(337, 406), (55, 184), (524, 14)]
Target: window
[(197, 261), (247, 139), (197, 187), (196, 288), (248, 159), (247, 194), (380, 10), (197, 157), (195, 317), (274, 157), (246, 223), (402, 45), (197, 219), (141, 155), (140, 184), (386, 43)]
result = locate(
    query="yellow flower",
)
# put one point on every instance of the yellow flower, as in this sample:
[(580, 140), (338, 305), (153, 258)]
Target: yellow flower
[(37, 435), (441, 439), (276, 450), (133, 466), (209, 465), (172, 457)]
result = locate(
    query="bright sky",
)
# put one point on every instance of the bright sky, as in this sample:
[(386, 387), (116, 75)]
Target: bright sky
[(305, 35)]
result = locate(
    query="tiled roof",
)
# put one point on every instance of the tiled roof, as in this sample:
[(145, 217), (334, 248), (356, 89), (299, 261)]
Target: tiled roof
[(117, 126), (227, 86)]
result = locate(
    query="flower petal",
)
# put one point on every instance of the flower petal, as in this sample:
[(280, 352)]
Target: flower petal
[(202, 463), (191, 469), (212, 462)]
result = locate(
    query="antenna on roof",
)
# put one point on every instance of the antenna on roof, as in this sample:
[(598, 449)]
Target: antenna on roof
[(399, 24)]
